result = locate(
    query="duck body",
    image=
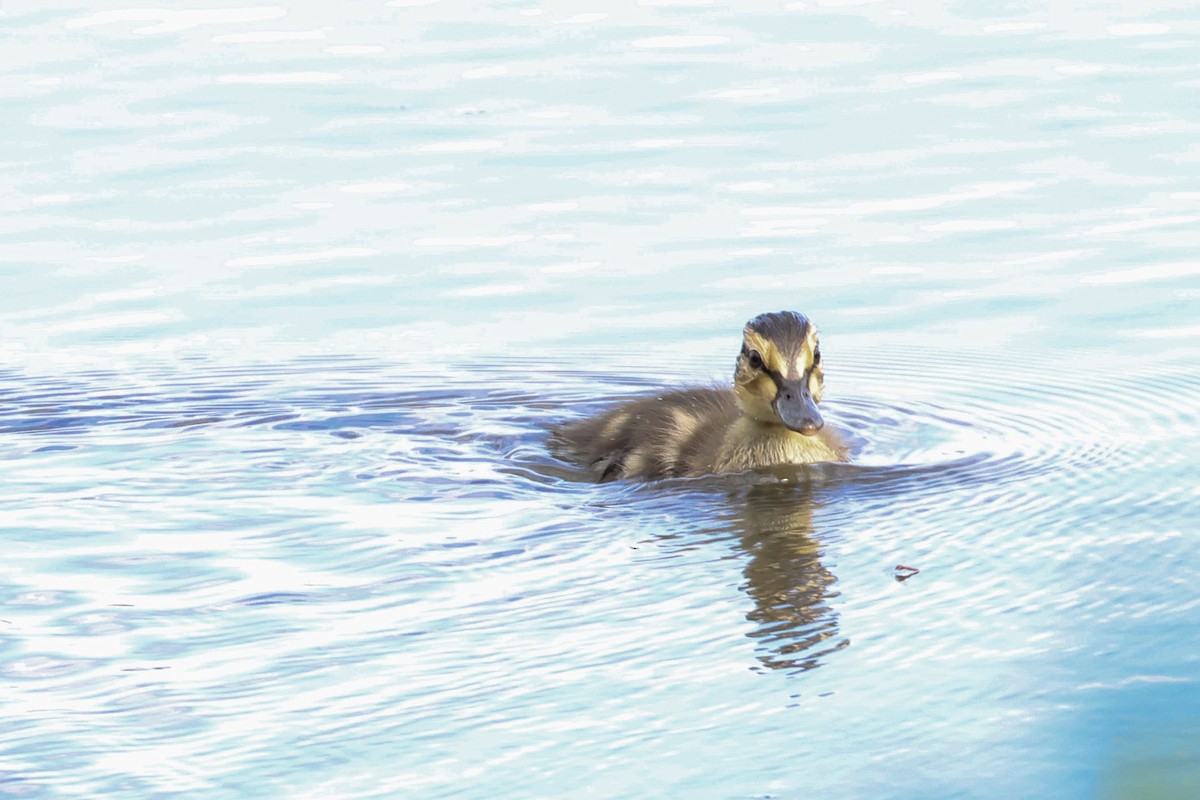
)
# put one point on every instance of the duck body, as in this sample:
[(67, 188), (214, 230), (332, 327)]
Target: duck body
[(767, 418)]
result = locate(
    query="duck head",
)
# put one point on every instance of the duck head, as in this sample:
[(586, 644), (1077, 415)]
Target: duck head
[(779, 379)]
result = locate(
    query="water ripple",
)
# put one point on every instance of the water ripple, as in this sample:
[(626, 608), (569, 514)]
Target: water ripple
[(515, 217)]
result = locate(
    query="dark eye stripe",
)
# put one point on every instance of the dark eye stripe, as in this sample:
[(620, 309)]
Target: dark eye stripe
[(753, 357)]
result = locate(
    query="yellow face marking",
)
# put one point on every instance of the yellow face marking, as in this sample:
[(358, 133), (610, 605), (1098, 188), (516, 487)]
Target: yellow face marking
[(816, 378), (766, 349), (806, 356), (790, 365), (756, 389)]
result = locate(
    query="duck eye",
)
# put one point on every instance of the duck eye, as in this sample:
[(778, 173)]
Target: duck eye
[(755, 360), (816, 357)]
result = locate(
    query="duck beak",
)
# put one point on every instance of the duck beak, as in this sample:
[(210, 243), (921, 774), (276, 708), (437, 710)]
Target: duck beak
[(795, 408)]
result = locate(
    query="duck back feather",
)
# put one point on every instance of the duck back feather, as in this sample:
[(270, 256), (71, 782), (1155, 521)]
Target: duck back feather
[(670, 435)]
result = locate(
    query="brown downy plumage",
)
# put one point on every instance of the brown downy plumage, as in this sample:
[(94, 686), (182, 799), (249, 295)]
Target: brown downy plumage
[(768, 418)]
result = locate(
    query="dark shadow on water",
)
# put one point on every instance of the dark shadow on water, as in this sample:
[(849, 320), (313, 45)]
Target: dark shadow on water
[(797, 627)]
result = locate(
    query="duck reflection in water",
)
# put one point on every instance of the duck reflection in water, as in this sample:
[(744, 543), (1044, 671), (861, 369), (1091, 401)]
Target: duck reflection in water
[(790, 587), (767, 420)]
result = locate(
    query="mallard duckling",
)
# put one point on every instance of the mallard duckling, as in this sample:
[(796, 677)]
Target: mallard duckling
[(768, 418)]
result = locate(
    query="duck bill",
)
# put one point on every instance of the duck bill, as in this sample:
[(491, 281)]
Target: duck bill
[(795, 408)]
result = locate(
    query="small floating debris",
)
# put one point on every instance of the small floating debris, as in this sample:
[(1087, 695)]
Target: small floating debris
[(903, 573)]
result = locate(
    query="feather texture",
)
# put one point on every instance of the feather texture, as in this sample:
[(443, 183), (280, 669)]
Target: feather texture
[(767, 418)]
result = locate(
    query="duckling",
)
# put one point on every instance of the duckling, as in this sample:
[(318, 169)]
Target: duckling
[(768, 418)]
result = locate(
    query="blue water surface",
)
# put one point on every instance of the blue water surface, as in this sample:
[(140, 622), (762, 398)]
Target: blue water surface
[(291, 296)]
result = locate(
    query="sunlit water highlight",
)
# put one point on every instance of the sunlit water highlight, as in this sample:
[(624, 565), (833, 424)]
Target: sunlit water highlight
[(292, 296)]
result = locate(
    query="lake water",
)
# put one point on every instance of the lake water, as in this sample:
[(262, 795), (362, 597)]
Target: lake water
[(291, 295)]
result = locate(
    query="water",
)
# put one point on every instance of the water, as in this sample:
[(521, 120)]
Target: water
[(290, 296)]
